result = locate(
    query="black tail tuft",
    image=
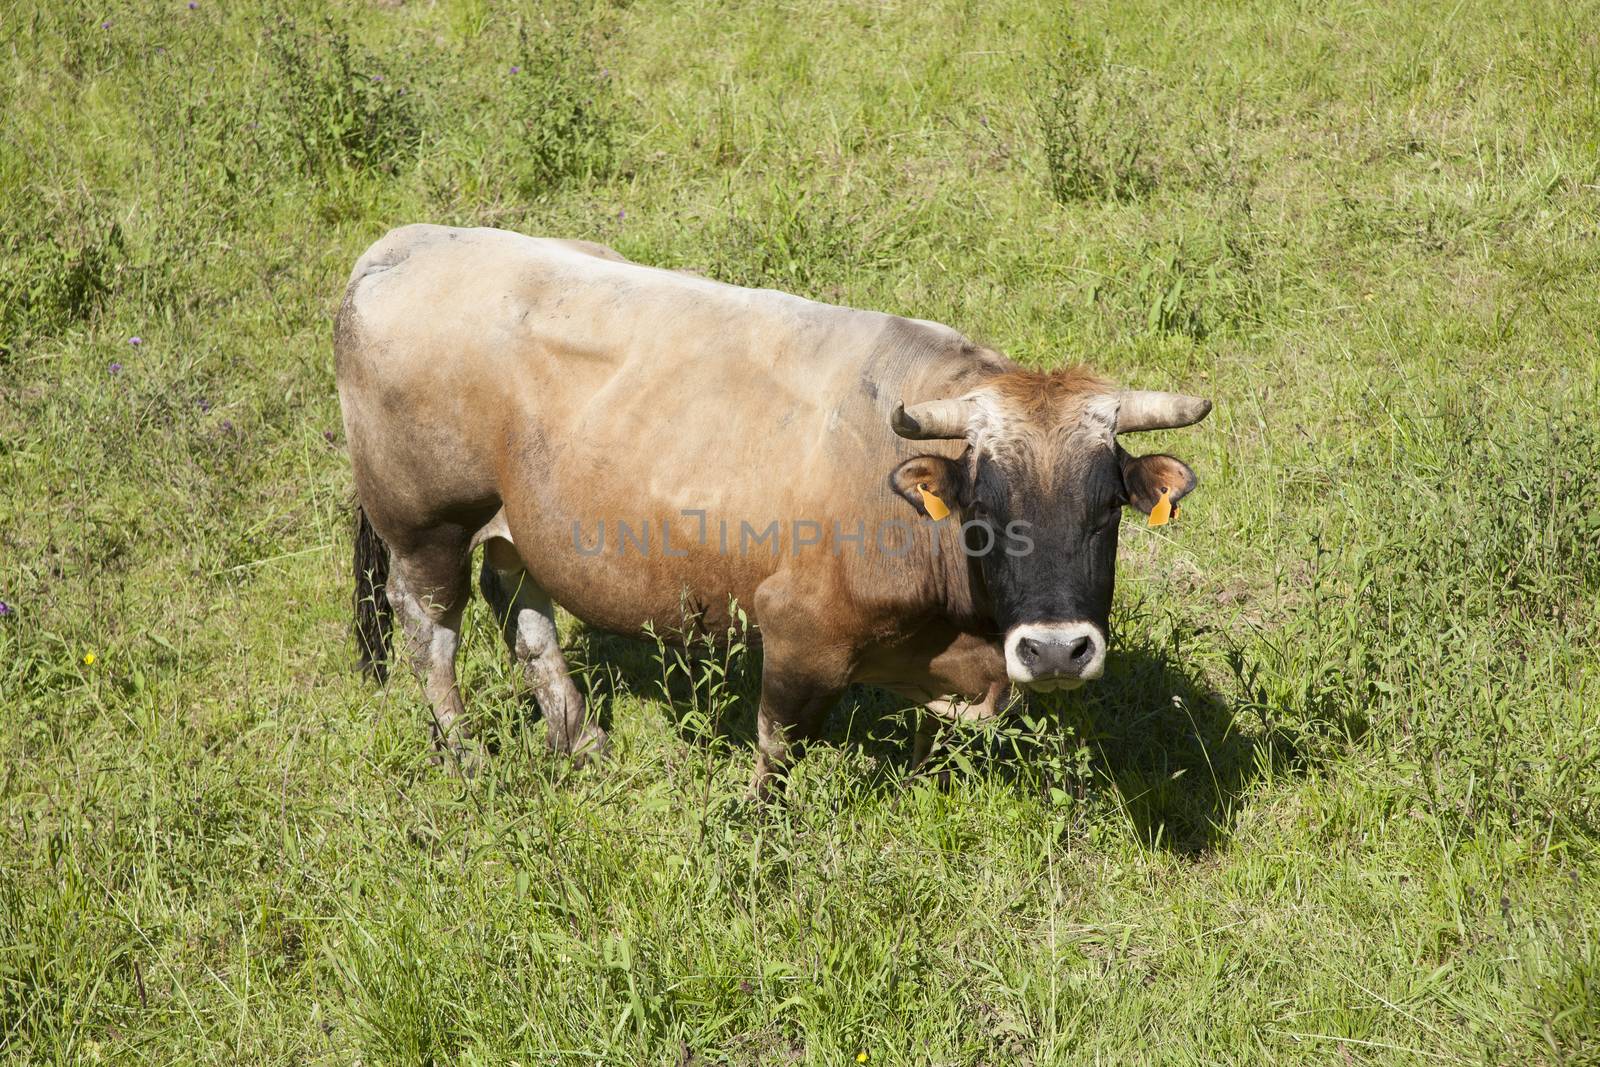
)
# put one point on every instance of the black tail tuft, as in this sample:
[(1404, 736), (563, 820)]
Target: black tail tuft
[(373, 615)]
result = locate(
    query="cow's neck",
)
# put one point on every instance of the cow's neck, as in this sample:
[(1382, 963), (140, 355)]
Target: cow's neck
[(923, 362), (958, 584)]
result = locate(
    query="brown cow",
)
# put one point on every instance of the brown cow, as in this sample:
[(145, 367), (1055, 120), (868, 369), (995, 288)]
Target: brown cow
[(641, 445)]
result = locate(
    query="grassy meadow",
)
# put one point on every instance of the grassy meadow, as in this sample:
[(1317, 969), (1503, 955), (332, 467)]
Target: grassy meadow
[(1337, 799)]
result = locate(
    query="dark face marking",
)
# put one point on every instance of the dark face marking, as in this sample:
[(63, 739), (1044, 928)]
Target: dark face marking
[(1069, 505)]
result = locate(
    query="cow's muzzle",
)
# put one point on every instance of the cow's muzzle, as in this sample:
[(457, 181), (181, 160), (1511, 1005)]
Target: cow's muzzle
[(1055, 655)]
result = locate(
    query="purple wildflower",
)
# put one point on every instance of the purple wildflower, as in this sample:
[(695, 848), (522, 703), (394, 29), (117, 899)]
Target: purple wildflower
[(193, 6), (377, 78), (5, 609), (227, 425), (203, 404), (327, 435), (115, 368), (106, 25), (136, 341), (622, 214), (515, 69)]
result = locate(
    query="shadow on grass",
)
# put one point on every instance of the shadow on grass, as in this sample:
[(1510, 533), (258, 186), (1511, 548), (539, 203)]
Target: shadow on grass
[(1150, 741), (1166, 750)]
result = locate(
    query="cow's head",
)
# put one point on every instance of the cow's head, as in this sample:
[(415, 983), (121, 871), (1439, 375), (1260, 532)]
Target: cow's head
[(1044, 472)]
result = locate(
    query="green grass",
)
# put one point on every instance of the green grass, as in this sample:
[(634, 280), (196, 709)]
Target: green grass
[(1338, 799)]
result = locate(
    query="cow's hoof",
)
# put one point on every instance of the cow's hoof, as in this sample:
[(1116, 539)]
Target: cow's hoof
[(769, 790), (591, 747), (742, 812), (926, 772), (465, 758)]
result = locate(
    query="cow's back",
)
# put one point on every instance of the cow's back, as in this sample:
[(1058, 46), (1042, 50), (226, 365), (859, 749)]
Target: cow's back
[(487, 321)]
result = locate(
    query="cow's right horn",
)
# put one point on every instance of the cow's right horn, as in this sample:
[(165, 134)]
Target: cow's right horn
[(934, 419), (1143, 410)]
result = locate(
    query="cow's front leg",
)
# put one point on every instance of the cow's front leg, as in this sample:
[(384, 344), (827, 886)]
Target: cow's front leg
[(805, 664), (794, 701), (931, 727), (936, 716)]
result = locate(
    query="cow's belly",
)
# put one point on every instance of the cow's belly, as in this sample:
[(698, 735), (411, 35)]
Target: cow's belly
[(626, 590), (633, 571)]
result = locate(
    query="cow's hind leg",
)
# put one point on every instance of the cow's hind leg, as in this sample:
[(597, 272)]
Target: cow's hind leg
[(428, 586), (528, 623)]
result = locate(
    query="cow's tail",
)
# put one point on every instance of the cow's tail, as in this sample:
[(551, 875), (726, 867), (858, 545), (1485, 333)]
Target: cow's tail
[(374, 619)]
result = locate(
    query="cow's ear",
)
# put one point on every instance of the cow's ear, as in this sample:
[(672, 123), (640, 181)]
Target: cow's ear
[(1147, 477), (923, 477)]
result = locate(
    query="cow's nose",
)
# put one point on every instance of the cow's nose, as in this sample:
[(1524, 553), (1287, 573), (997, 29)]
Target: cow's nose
[(1046, 658), (1050, 654)]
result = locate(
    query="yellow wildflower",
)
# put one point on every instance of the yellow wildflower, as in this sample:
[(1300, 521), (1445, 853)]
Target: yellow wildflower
[(88, 659)]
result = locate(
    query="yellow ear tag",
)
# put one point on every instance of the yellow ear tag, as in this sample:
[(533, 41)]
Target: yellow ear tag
[(934, 506), (1161, 514)]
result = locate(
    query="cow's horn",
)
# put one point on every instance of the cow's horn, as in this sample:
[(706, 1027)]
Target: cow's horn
[(933, 419), (1140, 410)]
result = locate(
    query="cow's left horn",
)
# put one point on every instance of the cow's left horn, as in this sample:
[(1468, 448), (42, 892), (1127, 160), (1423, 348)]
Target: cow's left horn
[(933, 419), (1140, 410)]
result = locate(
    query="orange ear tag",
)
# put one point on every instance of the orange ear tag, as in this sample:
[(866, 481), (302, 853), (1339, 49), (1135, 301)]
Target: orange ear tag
[(1161, 514), (932, 504)]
